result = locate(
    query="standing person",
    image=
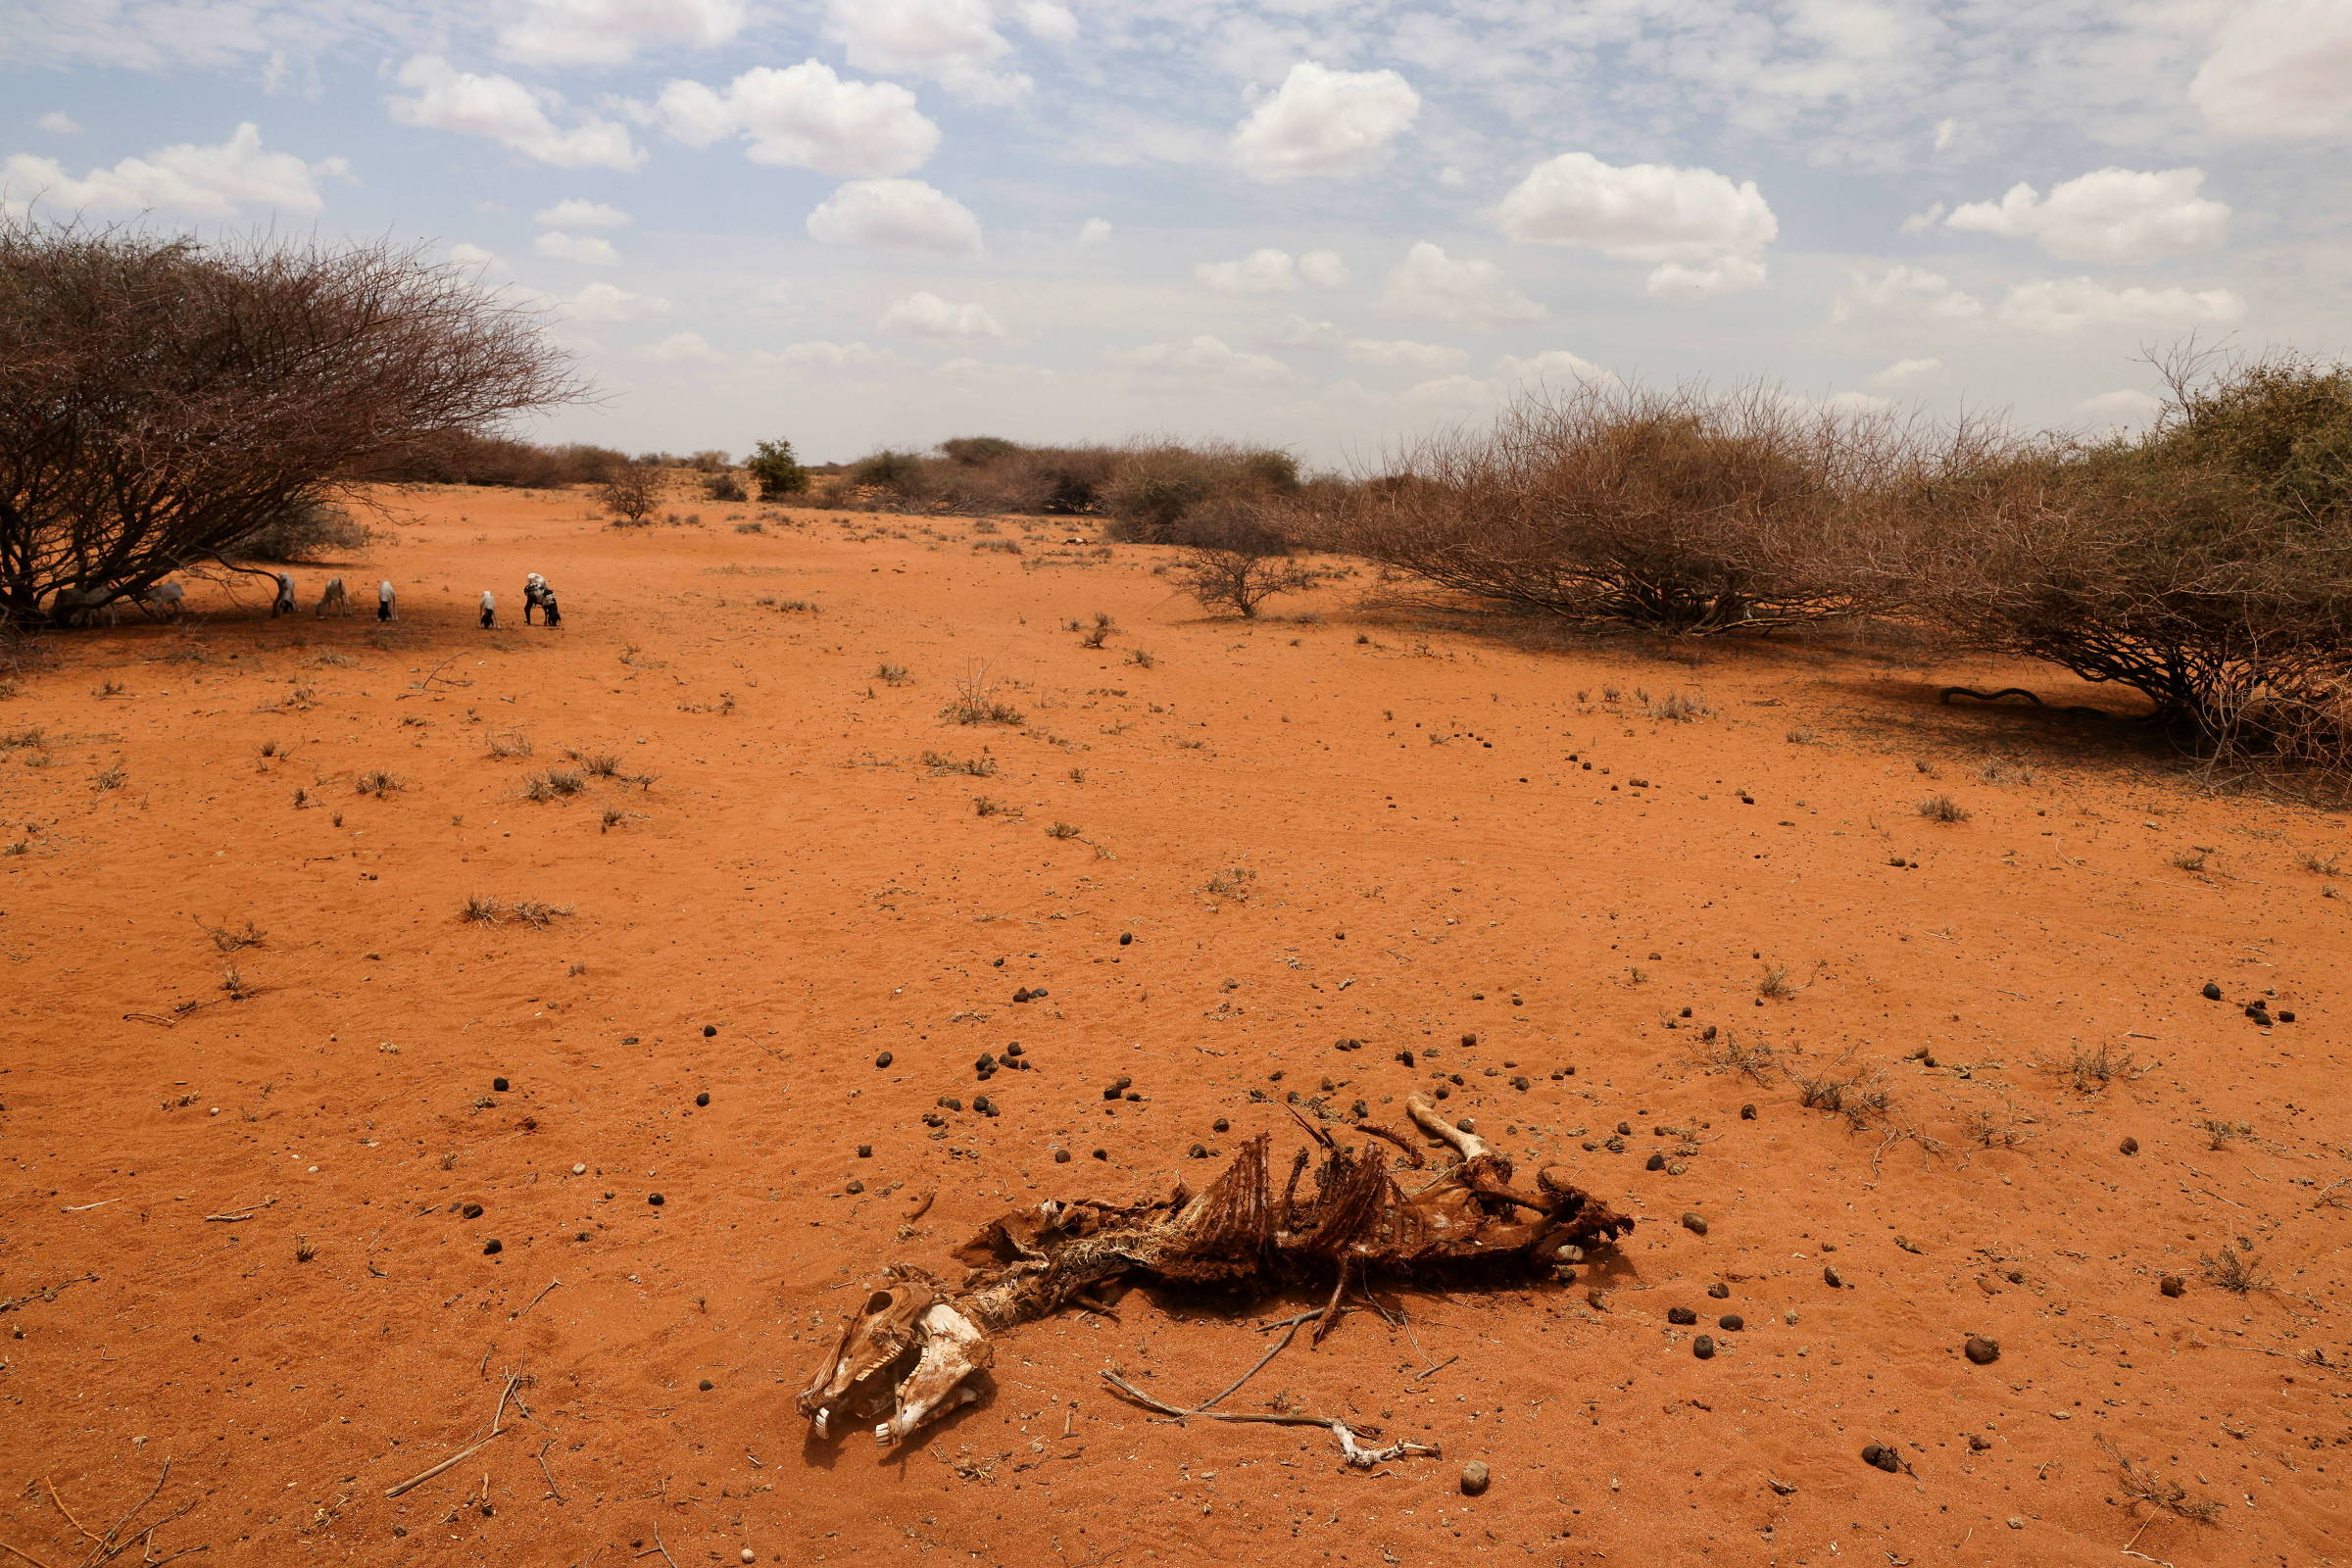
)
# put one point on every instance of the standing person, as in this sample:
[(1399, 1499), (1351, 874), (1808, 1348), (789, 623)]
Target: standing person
[(383, 600), (534, 594), (284, 603), (489, 609)]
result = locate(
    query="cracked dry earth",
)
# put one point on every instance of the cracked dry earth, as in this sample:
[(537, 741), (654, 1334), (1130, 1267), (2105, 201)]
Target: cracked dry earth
[(246, 1228)]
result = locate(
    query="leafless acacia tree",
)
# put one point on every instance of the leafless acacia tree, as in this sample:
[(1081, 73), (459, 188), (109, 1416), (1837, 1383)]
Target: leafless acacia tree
[(162, 397)]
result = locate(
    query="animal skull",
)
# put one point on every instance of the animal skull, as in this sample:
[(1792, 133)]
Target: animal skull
[(906, 1359)]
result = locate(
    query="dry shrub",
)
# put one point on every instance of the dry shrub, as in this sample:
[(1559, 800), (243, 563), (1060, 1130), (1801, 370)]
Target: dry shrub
[(307, 529), (1167, 493), (631, 494), (500, 461), (1232, 563), (1686, 512), (2200, 563)]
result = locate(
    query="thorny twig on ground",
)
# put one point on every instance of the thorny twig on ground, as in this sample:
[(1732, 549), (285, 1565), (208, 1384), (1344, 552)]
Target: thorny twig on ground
[(1356, 1455)]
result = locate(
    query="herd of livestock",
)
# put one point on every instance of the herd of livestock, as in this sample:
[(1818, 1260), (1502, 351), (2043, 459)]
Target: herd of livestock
[(166, 601)]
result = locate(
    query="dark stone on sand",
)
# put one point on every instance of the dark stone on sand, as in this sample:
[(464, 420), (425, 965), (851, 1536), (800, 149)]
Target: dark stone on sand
[(1880, 1458), (499, 1084), (883, 1061), (2212, 992), (655, 1199), (493, 1246), (2129, 1146), (709, 1030), (702, 1098), (471, 1212), (1982, 1350), (1474, 1479), (2171, 1284)]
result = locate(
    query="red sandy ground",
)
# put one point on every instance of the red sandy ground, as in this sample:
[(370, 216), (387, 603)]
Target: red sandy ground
[(1430, 865)]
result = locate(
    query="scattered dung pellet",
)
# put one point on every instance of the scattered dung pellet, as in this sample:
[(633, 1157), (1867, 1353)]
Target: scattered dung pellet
[(1828, 1277), (984, 1105), (702, 1098), (1102, 1154), (2129, 1146), (882, 1060), (471, 1212), (1220, 1125), (1474, 1479), (1747, 1114), (1061, 1156), (1880, 1456), (1625, 1129), (1719, 1290), (2171, 1284), (655, 1199), (865, 1150), (1125, 937), (854, 1186), (493, 1246), (706, 1385), (1982, 1350), (1014, 1049), (1199, 1152), (709, 1030), (1732, 1321), (1703, 1348), (2213, 992), (1695, 1224), (579, 1170), (1681, 1314), (1654, 1163), (749, 1555), (1978, 1443), (499, 1084)]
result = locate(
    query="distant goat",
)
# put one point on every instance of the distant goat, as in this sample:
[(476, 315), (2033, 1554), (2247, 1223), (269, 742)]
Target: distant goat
[(163, 599), (335, 599), (284, 603), (83, 607), (383, 600)]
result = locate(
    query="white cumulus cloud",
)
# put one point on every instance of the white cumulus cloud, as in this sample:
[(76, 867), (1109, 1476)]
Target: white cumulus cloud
[(578, 214), (1094, 231), (1431, 284), (924, 314), (1905, 293), (58, 123), (1428, 359), (2279, 67), (681, 348), (1642, 211), (2114, 215), (608, 32), (1725, 275), (1903, 372), (2068, 305), (807, 117), (953, 42), (829, 356), (1299, 332), (206, 181), (1324, 121), (604, 302), (504, 111), (896, 214), (1201, 358), (589, 250), (1553, 366), (1272, 272), (2124, 407), (468, 255)]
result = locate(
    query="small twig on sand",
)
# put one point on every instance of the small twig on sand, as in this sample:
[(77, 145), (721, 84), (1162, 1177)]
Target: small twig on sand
[(1427, 1370), (1356, 1455), (247, 1212), (47, 1292), (664, 1550), (26, 1555), (922, 1207), (83, 1208), (145, 1017), (431, 675), (541, 1456), (535, 1300), (469, 1449), (1289, 1327)]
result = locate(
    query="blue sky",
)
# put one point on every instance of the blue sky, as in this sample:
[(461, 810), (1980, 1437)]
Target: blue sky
[(1329, 224)]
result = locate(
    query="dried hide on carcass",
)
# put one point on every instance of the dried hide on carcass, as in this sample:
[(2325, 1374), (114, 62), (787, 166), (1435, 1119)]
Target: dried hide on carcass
[(916, 1349)]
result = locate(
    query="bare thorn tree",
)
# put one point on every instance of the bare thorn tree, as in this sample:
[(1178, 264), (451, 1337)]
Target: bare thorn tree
[(163, 399)]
